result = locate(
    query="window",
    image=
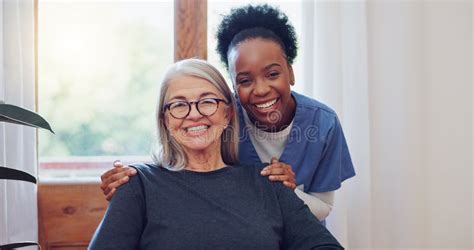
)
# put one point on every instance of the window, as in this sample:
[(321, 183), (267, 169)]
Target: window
[(99, 69)]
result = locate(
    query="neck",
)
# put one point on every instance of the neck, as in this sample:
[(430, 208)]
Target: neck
[(204, 161)]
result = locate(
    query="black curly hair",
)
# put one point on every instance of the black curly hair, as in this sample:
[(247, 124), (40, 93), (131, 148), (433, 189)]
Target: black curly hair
[(260, 21)]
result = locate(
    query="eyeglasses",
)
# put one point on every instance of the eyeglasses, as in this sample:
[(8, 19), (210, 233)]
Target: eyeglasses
[(205, 107)]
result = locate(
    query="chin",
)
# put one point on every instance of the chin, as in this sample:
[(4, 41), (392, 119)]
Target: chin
[(268, 119), (199, 142), (198, 145)]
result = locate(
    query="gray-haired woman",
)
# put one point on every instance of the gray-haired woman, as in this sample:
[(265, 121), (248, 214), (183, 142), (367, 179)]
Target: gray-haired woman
[(196, 195)]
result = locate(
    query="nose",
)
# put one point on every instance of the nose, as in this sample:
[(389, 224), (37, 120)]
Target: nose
[(261, 88), (193, 113)]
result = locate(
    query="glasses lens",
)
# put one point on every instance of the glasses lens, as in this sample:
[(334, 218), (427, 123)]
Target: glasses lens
[(179, 109), (207, 106)]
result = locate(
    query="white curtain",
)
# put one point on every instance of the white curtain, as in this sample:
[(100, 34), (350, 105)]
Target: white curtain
[(18, 202), (399, 74)]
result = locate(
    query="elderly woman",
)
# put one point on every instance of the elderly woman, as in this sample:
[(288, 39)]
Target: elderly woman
[(196, 195)]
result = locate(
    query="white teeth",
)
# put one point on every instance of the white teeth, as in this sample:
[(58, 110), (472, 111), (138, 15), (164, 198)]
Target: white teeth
[(266, 105), (197, 128)]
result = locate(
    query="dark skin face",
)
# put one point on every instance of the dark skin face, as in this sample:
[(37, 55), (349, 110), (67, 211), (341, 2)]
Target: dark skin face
[(262, 77)]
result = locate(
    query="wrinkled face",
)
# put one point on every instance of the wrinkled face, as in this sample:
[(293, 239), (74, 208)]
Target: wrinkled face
[(195, 132), (262, 79)]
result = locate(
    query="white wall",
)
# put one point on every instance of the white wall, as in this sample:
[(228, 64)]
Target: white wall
[(420, 81), (399, 75), (448, 119), (472, 124), (398, 187)]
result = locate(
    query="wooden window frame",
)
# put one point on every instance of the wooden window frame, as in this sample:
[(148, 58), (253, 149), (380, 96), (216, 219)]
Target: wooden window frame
[(190, 29)]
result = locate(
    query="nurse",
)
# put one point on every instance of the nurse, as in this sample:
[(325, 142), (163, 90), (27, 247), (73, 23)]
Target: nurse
[(301, 137)]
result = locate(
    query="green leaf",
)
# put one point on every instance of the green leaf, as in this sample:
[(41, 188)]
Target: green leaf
[(14, 174), (18, 245), (14, 114)]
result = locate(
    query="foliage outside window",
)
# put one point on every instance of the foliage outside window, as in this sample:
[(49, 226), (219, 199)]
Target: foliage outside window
[(100, 64)]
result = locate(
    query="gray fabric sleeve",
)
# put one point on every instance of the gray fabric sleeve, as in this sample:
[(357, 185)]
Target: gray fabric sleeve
[(302, 230), (123, 221)]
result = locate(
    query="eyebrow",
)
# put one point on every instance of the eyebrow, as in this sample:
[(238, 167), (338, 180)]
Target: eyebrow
[(266, 68), (271, 65), (180, 97)]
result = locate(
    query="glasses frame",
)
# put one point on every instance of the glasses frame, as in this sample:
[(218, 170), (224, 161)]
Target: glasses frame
[(168, 106)]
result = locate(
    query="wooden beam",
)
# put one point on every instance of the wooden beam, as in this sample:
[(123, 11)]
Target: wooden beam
[(190, 26)]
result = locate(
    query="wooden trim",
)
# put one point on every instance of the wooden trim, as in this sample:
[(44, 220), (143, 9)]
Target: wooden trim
[(190, 26)]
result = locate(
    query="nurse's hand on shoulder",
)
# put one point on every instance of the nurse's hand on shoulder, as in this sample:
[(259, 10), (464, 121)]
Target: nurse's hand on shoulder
[(114, 178), (279, 171)]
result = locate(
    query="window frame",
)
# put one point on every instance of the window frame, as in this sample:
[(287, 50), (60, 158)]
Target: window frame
[(190, 29)]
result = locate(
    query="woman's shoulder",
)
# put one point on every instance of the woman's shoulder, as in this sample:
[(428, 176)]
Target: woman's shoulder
[(146, 172), (249, 167), (145, 168), (253, 172)]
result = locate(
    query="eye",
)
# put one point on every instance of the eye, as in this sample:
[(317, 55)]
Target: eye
[(207, 102), (273, 74), (244, 81), (178, 105)]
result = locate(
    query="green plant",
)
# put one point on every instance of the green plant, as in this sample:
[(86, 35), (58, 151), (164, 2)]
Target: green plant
[(17, 115)]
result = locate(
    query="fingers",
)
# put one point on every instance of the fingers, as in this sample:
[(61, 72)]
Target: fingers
[(277, 168), (117, 167), (289, 184), (274, 160), (280, 178), (118, 163), (279, 171), (115, 184), (115, 177), (276, 171), (288, 180), (107, 174), (111, 193)]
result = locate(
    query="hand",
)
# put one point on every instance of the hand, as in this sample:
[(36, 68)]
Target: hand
[(279, 171), (114, 178)]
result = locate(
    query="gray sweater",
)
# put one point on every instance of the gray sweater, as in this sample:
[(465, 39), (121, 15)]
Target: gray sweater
[(230, 208)]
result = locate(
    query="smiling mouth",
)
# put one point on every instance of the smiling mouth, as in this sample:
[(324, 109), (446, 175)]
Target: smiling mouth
[(197, 129), (267, 104)]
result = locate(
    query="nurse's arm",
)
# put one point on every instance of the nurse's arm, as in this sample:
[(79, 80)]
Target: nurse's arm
[(320, 204)]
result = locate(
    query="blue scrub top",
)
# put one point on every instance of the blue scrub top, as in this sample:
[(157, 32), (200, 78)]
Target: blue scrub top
[(316, 148)]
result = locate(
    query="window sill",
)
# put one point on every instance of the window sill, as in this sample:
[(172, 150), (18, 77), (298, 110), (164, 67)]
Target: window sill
[(87, 169)]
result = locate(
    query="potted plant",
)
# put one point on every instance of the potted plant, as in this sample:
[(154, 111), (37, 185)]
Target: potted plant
[(17, 115)]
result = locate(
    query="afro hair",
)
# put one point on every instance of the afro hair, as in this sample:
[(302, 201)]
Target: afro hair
[(257, 19)]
